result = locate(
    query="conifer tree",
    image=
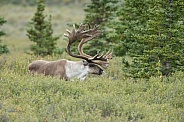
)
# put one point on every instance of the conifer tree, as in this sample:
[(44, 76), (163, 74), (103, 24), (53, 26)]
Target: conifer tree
[(3, 48), (152, 33), (100, 12), (41, 32)]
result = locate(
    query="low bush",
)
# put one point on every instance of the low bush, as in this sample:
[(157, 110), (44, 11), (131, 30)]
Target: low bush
[(110, 97)]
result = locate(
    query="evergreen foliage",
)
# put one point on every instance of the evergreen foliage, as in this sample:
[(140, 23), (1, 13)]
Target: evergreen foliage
[(100, 12), (152, 34), (41, 32), (3, 48)]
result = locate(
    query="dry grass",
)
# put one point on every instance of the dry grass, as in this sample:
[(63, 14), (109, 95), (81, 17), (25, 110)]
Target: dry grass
[(18, 17)]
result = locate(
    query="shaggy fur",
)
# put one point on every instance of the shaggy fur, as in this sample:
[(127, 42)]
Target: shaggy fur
[(64, 69)]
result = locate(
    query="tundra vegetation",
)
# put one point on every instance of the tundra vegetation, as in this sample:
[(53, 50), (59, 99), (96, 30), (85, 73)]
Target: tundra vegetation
[(114, 96), (3, 48)]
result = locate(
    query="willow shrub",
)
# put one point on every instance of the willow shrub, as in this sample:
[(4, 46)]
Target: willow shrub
[(111, 97)]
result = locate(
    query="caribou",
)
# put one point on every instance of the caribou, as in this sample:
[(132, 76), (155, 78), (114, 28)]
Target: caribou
[(68, 70)]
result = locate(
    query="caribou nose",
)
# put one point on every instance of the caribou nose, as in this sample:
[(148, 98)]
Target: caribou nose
[(101, 72)]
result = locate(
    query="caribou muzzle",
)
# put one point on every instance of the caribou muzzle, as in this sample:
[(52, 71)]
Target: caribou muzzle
[(101, 72)]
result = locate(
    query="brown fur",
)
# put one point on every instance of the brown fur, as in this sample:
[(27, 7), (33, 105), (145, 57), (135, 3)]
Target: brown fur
[(52, 68)]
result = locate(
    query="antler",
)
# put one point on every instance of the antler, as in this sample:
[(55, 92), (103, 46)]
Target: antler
[(84, 36), (103, 57), (94, 33), (73, 36)]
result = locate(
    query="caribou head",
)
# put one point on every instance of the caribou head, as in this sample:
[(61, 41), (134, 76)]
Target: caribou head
[(69, 69)]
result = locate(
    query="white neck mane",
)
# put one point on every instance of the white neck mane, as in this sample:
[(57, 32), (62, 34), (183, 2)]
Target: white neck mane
[(76, 69)]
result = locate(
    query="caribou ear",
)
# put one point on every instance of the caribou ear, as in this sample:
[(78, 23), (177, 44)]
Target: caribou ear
[(84, 62)]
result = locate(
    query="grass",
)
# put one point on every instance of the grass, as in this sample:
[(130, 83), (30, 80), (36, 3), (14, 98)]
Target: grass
[(110, 97), (18, 17)]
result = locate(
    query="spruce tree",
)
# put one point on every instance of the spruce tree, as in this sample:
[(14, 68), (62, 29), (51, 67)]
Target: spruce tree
[(100, 12), (152, 34), (3, 48), (41, 32)]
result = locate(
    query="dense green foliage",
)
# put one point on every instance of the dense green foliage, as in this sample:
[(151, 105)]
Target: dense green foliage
[(100, 12), (152, 34), (111, 97), (41, 32), (3, 48), (149, 34)]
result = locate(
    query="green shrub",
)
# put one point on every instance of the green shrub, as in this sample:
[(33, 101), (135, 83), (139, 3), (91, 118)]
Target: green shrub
[(41, 33), (110, 97), (3, 48)]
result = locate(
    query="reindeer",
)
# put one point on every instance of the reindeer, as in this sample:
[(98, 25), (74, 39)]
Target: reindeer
[(66, 69)]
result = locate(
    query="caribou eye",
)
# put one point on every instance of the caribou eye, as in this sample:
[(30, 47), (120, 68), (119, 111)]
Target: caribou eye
[(84, 62)]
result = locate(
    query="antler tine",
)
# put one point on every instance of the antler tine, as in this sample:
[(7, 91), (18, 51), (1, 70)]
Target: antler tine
[(108, 52), (89, 26), (108, 55), (71, 35), (94, 57), (97, 57), (102, 57), (67, 32), (91, 30), (73, 30), (81, 27)]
